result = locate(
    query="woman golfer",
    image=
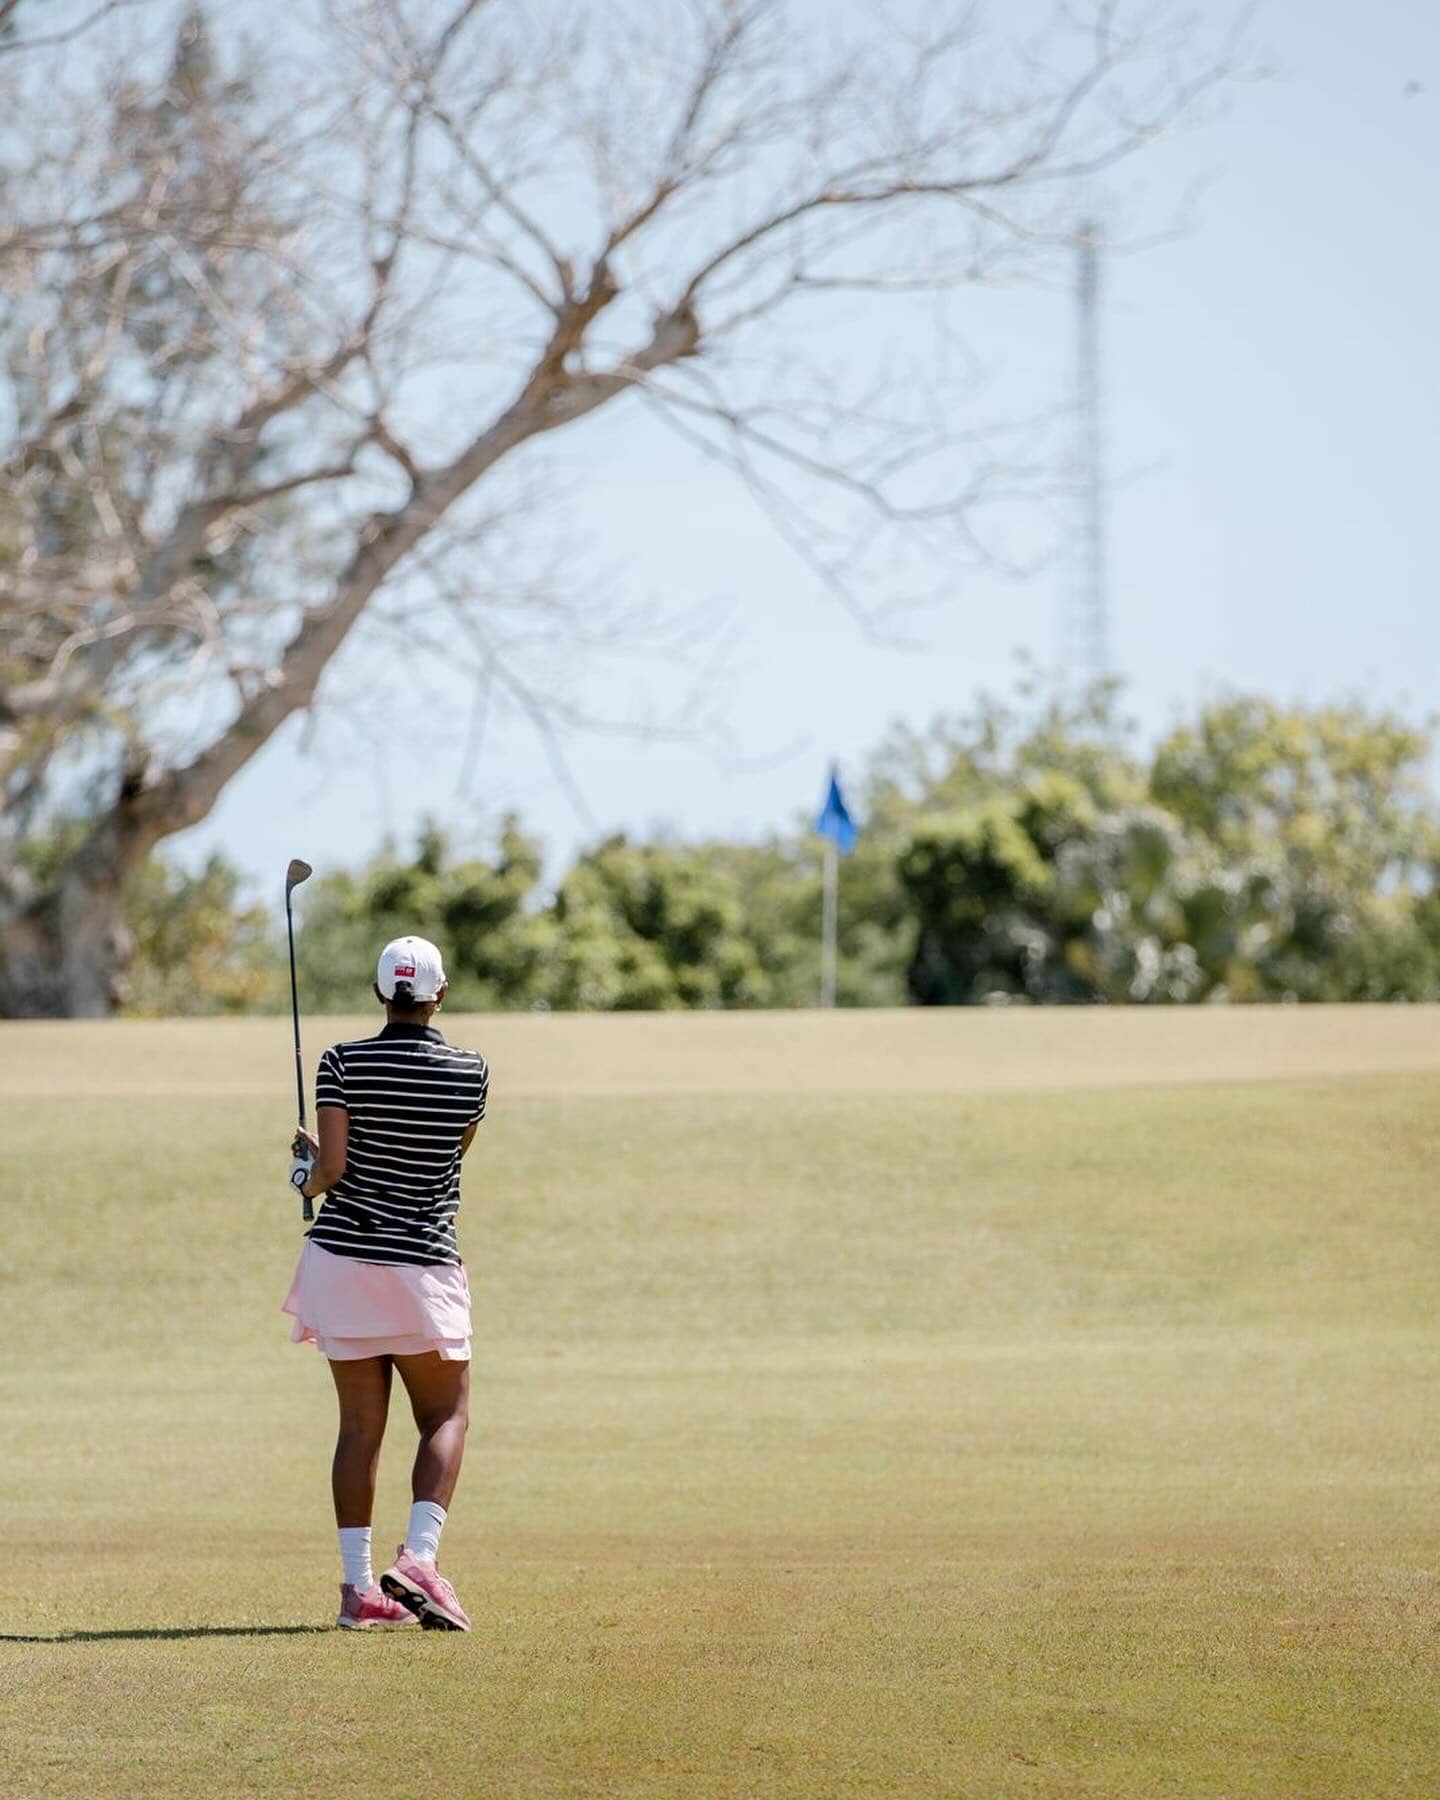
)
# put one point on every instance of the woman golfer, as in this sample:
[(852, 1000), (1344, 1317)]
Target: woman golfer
[(380, 1285)]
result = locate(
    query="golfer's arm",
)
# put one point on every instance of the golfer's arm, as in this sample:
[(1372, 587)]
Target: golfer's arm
[(469, 1138), (332, 1125)]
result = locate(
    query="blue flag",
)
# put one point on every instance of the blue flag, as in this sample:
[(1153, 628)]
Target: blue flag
[(835, 822)]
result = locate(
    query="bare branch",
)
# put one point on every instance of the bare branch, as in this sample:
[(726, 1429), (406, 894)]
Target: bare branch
[(10, 46)]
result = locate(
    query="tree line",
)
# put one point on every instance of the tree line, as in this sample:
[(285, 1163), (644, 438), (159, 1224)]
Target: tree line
[(1027, 851)]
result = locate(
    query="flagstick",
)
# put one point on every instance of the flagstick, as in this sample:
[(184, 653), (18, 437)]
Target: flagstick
[(827, 940)]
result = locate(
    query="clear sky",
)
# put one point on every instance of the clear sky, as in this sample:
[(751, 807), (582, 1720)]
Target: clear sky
[(1273, 402)]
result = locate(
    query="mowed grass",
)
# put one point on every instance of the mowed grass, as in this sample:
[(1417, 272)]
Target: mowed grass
[(992, 1443)]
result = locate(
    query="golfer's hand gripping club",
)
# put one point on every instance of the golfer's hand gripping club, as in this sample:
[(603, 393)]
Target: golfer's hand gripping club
[(302, 1165)]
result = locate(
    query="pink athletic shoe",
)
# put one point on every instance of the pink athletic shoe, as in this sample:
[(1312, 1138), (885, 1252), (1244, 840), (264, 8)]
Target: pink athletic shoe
[(420, 1586), (370, 1611)]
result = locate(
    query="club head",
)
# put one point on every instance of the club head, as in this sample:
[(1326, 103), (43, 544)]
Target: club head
[(297, 872)]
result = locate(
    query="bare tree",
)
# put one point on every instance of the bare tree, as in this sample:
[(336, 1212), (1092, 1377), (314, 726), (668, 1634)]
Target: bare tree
[(275, 344)]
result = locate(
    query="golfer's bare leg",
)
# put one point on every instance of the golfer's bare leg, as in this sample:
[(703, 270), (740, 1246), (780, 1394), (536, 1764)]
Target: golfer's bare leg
[(440, 1399), (363, 1388)]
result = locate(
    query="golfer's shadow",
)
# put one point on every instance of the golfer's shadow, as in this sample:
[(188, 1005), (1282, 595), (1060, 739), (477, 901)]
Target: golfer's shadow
[(160, 1631)]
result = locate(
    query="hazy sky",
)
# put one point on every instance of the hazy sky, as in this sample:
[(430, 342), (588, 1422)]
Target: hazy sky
[(1273, 399)]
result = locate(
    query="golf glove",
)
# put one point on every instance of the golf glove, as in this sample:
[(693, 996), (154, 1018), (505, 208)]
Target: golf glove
[(300, 1168)]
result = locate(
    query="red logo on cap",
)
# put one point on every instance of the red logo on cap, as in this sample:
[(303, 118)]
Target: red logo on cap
[(404, 971)]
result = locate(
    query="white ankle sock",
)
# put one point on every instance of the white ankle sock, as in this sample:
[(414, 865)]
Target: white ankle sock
[(355, 1556), (427, 1521)]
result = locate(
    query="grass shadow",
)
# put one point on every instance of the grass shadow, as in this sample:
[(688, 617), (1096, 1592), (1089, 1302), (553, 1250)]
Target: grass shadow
[(162, 1632)]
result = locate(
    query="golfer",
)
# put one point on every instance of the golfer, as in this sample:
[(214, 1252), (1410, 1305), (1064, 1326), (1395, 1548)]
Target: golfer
[(380, 1285)]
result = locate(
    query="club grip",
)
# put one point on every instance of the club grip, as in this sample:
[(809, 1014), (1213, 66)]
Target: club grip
[(307, 1208)]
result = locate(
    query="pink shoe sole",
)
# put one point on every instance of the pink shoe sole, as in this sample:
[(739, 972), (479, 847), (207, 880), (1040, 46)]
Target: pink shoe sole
[(431, 1614)]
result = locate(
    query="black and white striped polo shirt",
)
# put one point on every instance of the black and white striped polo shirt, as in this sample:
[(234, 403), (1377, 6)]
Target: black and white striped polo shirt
[(410, 1097)]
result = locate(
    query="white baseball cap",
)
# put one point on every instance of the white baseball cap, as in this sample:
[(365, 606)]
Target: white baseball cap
[(412, 959)]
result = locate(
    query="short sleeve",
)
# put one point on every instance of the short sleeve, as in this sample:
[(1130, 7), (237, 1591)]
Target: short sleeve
[(330, 1080), (483, 1095)]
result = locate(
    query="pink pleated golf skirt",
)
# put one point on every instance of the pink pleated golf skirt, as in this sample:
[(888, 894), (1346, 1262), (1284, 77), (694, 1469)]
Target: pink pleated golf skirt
[(349, 1309)]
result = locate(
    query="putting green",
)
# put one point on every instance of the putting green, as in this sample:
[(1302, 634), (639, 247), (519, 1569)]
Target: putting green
[(914, 1404)]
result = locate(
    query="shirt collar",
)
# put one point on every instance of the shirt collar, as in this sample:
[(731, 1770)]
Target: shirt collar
[(398, 1028)]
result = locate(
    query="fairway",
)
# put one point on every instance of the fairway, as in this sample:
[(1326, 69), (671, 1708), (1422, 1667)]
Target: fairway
[(937, 1403)]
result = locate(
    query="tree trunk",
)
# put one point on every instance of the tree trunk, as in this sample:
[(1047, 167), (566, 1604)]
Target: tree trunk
[(64, 953)]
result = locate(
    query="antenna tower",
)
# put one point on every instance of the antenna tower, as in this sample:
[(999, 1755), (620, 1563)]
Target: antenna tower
[(1087, 617)]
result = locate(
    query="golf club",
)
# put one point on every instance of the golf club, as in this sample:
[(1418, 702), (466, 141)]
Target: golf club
[(297, 872)]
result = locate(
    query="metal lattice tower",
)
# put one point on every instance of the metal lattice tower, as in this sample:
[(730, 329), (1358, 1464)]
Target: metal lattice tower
[(1086, 645)]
